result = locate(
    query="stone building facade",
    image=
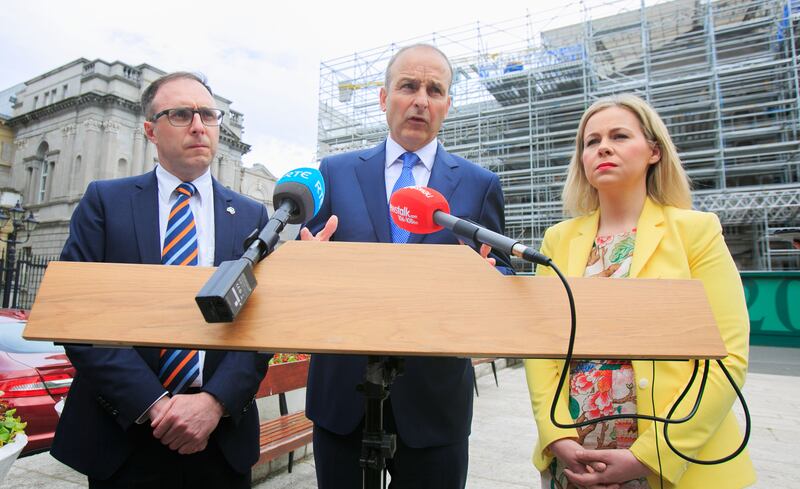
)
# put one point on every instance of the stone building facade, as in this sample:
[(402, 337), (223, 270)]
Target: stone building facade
[(82, 122), (8, 195)]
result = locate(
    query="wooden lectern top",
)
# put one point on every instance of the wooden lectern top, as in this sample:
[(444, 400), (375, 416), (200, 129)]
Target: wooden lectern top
[(376, 298)]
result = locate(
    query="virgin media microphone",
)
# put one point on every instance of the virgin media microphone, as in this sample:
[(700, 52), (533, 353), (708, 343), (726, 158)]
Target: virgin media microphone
[(422, 210), (298, 196)]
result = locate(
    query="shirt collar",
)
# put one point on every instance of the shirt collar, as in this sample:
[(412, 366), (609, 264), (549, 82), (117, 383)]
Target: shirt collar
[(427, 153), (167, 183)]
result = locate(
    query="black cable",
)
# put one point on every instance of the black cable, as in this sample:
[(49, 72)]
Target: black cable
[(666, 421), (745, 438), (568, 361)]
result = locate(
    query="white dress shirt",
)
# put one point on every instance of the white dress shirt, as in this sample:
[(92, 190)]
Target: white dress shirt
[(202, 206), (394, 164)]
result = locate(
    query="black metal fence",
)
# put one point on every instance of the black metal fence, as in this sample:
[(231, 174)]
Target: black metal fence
[(28, 271)]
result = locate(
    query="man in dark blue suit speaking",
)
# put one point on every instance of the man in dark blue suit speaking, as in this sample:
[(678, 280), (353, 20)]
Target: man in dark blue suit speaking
[(150, 417), (430, 405)]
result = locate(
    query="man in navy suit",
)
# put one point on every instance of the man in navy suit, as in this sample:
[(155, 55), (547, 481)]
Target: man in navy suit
[(122, 425), (430, 405)]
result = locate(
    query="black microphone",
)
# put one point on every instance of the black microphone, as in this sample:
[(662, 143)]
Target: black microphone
[(423, 210), (299, 196)]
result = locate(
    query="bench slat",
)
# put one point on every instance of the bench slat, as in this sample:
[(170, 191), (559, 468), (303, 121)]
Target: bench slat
[(284, 377), (285, 445), (291, 431), (277, 434)]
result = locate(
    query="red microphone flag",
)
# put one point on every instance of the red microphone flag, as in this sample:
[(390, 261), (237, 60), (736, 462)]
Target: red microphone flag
[(412, 209)]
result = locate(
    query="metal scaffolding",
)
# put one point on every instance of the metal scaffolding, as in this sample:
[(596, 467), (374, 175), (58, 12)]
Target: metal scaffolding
[(722, 74)]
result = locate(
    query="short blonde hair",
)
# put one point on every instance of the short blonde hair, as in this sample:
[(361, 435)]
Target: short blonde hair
[(667, 182)]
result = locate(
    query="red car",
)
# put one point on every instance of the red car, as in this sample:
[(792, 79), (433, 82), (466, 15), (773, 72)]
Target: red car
[(34, 375)]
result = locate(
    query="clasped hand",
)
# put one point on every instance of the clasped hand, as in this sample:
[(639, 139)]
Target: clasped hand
[(597, 469), (185, 421)]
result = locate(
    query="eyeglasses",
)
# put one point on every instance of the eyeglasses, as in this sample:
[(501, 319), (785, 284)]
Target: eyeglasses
[(183, 116)]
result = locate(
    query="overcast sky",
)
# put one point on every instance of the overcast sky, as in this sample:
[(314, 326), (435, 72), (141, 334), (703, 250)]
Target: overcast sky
[(263, 56)]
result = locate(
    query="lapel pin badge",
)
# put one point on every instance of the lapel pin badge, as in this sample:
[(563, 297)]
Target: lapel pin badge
[(231, 210)]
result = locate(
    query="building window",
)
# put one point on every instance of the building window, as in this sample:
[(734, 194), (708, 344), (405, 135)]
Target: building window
[(44, 99), (122, 168), (35, 101), (43, 177), (64, 92)]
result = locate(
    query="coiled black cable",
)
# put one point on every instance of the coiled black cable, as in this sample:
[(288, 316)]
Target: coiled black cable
[(668, 420)]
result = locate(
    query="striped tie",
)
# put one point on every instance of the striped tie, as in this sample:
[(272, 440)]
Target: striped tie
[(180, 240), (406, 179), (178, 367)]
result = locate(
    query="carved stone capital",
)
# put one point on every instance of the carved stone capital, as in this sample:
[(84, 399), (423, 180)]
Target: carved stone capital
[(93, 125), (111, 127), (138, 133), (21, 143), (69, 130)]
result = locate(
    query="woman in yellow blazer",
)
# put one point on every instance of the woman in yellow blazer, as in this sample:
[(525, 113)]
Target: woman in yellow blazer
[(626, 182)]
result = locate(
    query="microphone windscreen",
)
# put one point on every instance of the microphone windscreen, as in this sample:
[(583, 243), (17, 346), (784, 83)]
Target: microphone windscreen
[(305, 188), (412, 209)]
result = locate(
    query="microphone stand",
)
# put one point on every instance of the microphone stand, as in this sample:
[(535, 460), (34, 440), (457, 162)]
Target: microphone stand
[(376, 445)]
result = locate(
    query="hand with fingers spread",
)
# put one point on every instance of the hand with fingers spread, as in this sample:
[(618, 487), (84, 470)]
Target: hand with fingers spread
[(620, 466), (324, 234), (187, 422)]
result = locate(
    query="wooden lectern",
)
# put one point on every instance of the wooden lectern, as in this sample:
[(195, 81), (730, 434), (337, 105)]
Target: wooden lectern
[(378, 299)]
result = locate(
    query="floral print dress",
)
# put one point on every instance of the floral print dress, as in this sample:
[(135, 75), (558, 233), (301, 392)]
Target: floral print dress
[(602, 387)]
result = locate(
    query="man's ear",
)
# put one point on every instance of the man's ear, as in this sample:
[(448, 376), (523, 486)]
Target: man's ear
[(149, 131), (383, 96)]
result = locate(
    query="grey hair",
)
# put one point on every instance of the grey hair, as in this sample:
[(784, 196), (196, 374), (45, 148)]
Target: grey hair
[(387, 77)]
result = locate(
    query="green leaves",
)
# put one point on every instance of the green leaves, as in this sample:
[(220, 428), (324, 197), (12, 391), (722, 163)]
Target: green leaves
[(10, 425), (288, 357)]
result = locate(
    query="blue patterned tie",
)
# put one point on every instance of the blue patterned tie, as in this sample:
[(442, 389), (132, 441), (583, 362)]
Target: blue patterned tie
[(178, 368), (406, 179), (180, 240)]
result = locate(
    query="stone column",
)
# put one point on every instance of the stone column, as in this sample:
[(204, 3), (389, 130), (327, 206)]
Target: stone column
[(18, 170), (108, 163), (137, 161), (149, 155), (60, 180), (91, 154), (216, 166)]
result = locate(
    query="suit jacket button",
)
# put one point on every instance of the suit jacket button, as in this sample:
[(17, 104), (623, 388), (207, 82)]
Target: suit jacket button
[(643, 383)]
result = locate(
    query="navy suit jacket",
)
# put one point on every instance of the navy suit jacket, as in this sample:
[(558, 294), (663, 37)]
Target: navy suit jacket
[(117, 221), (432, 400)]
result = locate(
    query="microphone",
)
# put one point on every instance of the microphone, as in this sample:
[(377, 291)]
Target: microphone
[(298, 195), (422, 210)]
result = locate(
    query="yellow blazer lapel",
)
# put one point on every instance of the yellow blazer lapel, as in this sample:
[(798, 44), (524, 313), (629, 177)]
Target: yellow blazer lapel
[(649, 231), (581, 245)]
